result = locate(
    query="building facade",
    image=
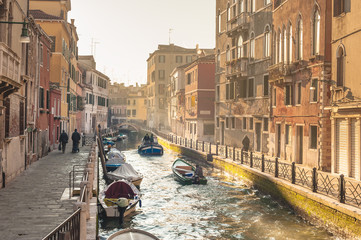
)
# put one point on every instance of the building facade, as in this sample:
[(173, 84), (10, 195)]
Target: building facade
[(118, 94), (160, 65), (136, 104), (243, 55), (346, 90), (300, 82), (54, 116), (199, 99)]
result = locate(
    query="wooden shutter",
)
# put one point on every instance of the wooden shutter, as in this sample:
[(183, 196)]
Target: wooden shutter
[(341, 147)]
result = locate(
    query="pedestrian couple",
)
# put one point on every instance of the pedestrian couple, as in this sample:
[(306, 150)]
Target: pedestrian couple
[(64, 140)]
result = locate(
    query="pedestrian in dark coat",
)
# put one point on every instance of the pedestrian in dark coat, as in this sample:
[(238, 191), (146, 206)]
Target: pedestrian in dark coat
[(76, 139)]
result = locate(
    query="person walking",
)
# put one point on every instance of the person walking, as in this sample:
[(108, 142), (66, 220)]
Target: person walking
[(63, 140), (76, 139)]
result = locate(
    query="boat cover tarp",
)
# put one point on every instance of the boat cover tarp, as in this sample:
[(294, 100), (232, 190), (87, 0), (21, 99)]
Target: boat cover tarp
[(126, 171), (119, 190)]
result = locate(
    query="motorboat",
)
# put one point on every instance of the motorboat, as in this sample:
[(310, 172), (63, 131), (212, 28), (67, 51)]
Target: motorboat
[(127, 234), (115, 159), (150, 147), (184, 172), (127, 172), (116, 192)]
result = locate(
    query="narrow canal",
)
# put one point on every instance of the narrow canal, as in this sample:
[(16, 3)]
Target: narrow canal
[(225, 208)]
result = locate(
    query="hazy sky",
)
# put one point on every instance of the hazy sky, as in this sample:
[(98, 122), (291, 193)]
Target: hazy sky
[(126, 31)]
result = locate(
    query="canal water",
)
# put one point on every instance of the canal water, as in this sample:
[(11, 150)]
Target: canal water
[(225, 208)]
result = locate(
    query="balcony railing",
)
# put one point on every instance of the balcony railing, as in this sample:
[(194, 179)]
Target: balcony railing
[(10, 65), (239, 23), (281, 72), (237, 67)]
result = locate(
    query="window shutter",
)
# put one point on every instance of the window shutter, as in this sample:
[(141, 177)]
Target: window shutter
[(347, 5)]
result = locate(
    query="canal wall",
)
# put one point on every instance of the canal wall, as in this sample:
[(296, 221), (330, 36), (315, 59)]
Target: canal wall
[(340, 219)]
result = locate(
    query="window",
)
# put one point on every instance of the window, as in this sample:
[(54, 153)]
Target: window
[(340, 66), (314, 90), (250, 87), (243, 89), (162, 59), (290, 43), (217, 92), (240, 47), (244, 126), (233, 122), (228, 54), (313, 137), (47, 99), (287, 134), (7, 117), (267, 41), (161, 89), (227, 122), (208, 129), (178, 59), (190, 128), (161, 74), (195, 128), (266, 2), (265, 124), (316, 33), (134, 112), (41, 97), (217, 122), (219, 21), (228, 13), (134, 102), (128, 113), (230, 90), (188, 59), (189, 78), (252, 47), (250, 123), (253, 6), (265, 85), (153, 76), (285, 45), (341, 6), (298, 93), (41, 54), (279, 56), (21, 118), (300, 39), (288, 91)]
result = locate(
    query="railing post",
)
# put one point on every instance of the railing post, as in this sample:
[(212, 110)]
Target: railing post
[(82, 219), (217, 148), (251, 160), (262, 166), (293, 172), (210, 148), (314, 180), (202, 146), (342, 189), (234, 153), (226, 151), (242, 156), (276, 167)]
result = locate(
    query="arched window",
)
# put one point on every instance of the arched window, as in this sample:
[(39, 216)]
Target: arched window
[(228, 54), (279, 45), (290, 43), (240, 47), (285, 45), (267, 41), (300, 39), (219, 21), (252, 46), (340, 66), (316, 32)]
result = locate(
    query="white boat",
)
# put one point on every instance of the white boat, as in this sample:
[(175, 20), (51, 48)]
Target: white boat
[(126, 172), (135, 234), (119, 190), (115, 159)]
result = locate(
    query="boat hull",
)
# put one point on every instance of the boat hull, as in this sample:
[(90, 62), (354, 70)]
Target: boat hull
[(132, 234), (183, 172), (150, 150)]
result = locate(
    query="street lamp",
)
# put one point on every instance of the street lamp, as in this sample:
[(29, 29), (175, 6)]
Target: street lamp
[(24, 37)]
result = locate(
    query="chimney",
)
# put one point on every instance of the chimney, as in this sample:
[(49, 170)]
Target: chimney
[(72, 21)]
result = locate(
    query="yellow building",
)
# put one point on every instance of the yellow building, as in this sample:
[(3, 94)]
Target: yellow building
[(136, 104), (52, 17), (346, 88)]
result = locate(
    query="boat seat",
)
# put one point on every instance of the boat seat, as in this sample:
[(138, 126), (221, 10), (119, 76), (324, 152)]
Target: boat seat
[(184, 169)]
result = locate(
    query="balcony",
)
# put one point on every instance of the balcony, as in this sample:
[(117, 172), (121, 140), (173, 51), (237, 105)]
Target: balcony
[(9, 70), (281, 73), (238, 24), (237, 68)]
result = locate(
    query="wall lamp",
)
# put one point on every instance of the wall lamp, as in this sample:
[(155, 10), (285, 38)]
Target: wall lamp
[(24, 38)]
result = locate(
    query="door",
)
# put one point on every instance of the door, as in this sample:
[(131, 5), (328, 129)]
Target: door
[(278, 142), (258, 137), (222, 133), (299, 146), (341, 147)]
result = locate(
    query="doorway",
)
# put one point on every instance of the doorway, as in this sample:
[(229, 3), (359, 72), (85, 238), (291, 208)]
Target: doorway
[(299, 145), (258, 137)]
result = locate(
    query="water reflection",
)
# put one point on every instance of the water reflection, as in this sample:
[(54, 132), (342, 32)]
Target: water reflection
[(225, 208)]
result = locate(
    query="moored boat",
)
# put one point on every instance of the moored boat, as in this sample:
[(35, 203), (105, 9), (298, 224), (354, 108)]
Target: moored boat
[(116, 191), (127, 172), (132, 234), (115, 159), (184, 172)]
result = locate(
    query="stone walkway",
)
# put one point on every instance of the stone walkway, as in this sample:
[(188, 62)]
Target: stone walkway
[(31, 205)]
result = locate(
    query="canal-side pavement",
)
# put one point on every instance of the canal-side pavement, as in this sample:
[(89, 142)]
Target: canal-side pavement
[(31, 205)]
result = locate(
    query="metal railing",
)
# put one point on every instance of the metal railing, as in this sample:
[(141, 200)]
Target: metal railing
[(345, 190)]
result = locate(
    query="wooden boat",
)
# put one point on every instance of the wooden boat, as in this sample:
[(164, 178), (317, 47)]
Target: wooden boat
[(132, 234), (184, 173), (127, 172), (117, 190), (115, 159), (150, 148)]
